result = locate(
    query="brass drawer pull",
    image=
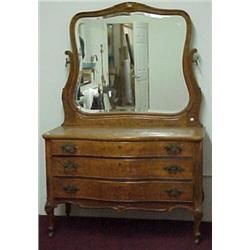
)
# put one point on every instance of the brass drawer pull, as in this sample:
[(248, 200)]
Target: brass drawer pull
[(69, 148), (173, 149), (69, 165), (71, 189), (174, 169), (174, 192)]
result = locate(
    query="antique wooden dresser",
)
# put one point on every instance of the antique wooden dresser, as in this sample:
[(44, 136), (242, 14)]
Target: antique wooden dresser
[(126, 160)]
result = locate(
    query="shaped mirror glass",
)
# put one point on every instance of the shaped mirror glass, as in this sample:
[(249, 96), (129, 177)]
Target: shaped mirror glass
[(131, 62)]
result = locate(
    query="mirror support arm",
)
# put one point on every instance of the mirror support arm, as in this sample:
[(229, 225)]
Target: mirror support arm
[(67, 62), (195, 56)]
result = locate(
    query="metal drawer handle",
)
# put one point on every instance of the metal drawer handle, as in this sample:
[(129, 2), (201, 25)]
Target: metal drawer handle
[(71, 189), (69, 165), (174, 192), (174, 169), (173, 149), (69, 148)]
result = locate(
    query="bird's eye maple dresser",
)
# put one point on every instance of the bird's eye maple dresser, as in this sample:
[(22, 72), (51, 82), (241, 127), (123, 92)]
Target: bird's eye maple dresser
[(126, 160)]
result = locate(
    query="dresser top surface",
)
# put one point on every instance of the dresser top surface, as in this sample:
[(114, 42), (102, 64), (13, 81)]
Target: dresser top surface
[(126, 134)]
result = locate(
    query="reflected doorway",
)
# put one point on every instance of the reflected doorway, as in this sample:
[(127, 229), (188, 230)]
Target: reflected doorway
[(128, 66)]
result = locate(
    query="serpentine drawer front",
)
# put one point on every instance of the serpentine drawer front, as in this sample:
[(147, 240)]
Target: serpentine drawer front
[(148, 174), (112, 168), (122, 149), (122, 191)]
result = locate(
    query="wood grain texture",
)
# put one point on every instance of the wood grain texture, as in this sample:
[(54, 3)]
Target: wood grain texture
[(122, 168), (121, 149), (123, 191), (126, 133)]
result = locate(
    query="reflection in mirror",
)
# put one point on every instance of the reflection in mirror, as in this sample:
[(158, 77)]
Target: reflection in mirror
[(131, 62)]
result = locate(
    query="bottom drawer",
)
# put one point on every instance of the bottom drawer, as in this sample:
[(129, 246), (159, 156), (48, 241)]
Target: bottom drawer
[(122, 191)]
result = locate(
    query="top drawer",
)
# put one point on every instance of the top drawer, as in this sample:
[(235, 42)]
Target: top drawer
[(122, 149)]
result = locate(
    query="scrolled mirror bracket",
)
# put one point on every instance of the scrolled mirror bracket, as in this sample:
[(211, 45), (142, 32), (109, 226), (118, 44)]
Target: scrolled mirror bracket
[(68, 58), (67, 61), (194, 56)]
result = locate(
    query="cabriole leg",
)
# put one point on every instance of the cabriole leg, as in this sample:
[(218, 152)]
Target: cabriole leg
[(197, 222), (49, 208)]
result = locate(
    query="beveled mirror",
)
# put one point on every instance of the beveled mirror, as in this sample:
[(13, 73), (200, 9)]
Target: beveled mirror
[(132, 59), (131, 62)]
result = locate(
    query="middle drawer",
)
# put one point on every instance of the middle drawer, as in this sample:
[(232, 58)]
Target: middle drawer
[(122, 168)]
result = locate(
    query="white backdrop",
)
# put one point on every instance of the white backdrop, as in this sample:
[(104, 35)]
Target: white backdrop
[(54, 18)]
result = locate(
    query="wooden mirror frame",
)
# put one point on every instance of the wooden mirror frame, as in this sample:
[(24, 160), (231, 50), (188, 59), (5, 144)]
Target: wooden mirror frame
[(189, 116)]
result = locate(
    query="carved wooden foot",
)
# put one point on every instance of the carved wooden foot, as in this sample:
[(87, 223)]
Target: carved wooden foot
[(49, 208), (197, 222), (67, 209)]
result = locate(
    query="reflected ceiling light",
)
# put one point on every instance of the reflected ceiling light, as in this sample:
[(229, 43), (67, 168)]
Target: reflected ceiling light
[(155, 15)]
